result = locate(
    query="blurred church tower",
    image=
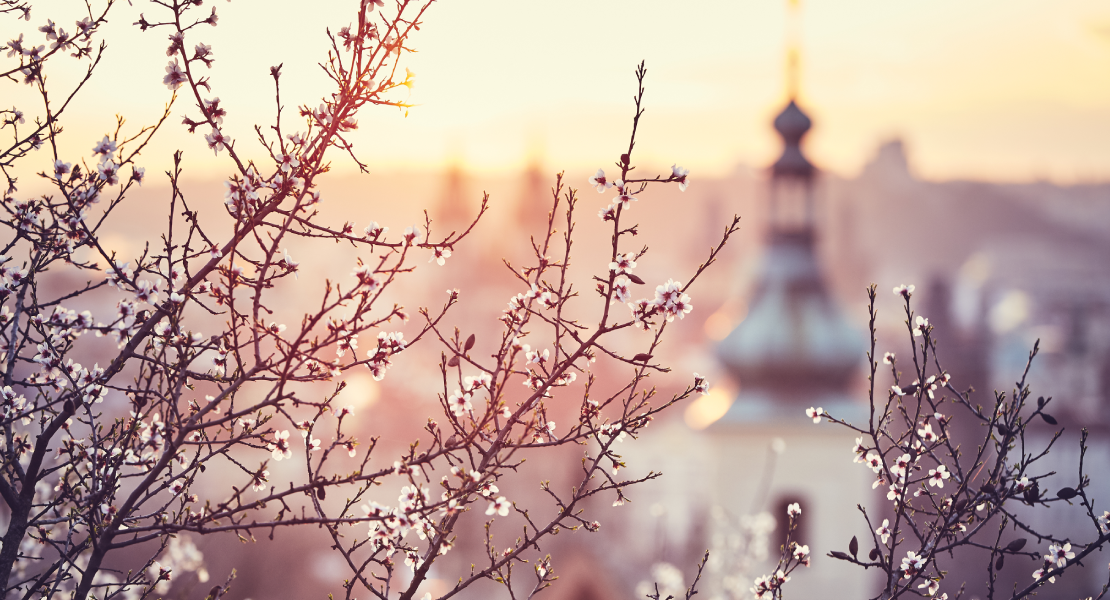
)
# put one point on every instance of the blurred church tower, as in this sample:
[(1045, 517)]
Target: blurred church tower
[(794, 350), (456, 210), (529, 214), (534, 202)]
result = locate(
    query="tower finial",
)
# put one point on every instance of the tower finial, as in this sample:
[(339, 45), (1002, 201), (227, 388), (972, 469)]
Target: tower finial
[(793, 47), (792, 73)]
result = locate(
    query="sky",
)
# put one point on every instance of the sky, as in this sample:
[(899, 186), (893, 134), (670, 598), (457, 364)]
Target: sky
[(1010, 90)]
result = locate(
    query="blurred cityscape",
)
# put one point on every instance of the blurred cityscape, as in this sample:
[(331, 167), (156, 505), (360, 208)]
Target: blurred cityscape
[(779, 325), (780, 321)]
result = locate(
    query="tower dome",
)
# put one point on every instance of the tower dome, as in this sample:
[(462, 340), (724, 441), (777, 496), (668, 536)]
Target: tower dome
[(792, 124), (795, 348)]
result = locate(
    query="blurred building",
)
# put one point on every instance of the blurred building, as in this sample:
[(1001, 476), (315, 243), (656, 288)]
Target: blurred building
[(795, 350), (997, 267), (780, 326)]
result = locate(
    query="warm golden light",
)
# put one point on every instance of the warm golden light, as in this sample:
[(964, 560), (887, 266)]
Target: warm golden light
[(718, 325), (1001, 91), (707, 409), (361, 392)]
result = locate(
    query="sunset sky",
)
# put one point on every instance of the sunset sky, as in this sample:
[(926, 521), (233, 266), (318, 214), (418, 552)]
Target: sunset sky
[(999, 89)]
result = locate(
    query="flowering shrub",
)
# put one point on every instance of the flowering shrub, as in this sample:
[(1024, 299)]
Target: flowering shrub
[(957, 497), (108, 459)]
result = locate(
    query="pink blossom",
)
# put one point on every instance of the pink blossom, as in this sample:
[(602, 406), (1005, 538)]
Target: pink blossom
[(600, 182), (499, 506), (815, 413), (679, 174), (884, 531), (904, 290), (280, 449), (174, 75)]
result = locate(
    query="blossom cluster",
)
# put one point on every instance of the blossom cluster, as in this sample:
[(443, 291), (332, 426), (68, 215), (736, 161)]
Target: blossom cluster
[(945, 492), (768, 587), (625, 195), (670, 301)]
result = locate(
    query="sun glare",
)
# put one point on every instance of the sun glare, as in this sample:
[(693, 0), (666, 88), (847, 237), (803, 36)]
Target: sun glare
[(707, 409)]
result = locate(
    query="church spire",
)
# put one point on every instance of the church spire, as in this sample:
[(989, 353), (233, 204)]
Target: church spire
[(792, 175), (793, 47), (795, 348)]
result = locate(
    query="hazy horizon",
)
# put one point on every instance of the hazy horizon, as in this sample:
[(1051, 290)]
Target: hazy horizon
[(991, 91)]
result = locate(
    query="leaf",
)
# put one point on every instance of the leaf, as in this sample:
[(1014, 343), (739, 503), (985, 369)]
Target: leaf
[(1048, 418), (641, 358), (840, 555), (454, 362), (1016, 545), (874, 554), (1032, 493), (634, 278), (853, 546), (1040, 402), (998, 563), (320, 493), (469, 343), (1066, 493)]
